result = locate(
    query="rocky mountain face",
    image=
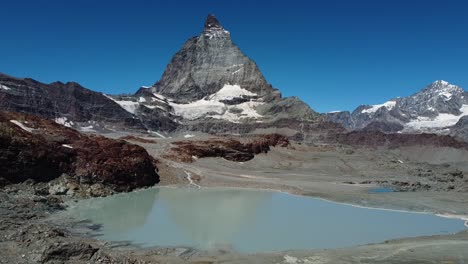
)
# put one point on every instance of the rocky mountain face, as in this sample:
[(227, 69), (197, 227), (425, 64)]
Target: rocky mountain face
[(210, 85), (436, 108), (460, 129), (69, 104), (207, 63)]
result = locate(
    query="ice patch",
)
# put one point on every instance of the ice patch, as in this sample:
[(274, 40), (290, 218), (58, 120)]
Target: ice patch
[(22, 126), (129, 106), (229, 92), (373, 108), (67, 146), (216, 33), (442, 120), (156, 133), (211, 106), (154, 106), (189, 136), (6, 88), (87, 129), (141, 100), (63, 121)]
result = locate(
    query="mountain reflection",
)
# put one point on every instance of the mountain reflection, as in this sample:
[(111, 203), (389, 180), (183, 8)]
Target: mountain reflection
[(119, 213), (211, 217), (248, 221)]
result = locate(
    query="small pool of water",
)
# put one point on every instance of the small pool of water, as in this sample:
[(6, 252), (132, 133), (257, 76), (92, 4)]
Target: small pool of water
[(381, 190), (248, 221)]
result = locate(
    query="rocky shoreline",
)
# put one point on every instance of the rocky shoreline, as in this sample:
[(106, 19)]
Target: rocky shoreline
[(33, 231)]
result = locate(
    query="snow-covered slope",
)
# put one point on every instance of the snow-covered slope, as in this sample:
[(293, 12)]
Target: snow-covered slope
[(232, 103), (216, 105)]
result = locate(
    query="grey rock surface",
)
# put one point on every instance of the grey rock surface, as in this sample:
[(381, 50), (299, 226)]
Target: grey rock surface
[(206, 63)]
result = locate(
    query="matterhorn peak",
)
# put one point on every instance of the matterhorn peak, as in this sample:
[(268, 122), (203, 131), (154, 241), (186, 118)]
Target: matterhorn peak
[(213, 28), (212, 23)]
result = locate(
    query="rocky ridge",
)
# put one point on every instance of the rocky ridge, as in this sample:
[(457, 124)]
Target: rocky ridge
[(68, 104)]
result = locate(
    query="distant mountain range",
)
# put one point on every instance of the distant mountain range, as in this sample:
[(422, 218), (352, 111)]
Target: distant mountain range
[(438, 108), (211, 86)]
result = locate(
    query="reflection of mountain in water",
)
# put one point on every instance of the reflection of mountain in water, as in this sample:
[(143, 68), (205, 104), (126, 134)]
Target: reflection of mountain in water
[(119, 213), (212, 217)]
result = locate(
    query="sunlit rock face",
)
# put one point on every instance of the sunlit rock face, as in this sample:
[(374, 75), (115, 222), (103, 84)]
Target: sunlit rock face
[(210, 85), (206, 63)]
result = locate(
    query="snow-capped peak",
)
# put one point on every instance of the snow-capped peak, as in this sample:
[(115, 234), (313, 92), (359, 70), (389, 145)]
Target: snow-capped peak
[(441, 89), (373, 108), (442, 85), (440, 82)]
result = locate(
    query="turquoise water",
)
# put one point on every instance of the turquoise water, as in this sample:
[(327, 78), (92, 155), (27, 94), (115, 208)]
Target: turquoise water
[(381, 190), (248, 221)]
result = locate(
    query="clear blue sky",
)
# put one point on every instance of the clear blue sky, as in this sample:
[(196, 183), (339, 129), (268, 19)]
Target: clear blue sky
[(333, 54)]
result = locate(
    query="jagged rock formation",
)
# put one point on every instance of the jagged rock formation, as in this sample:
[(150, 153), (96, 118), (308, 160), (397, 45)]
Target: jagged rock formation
[(208, 62), (211, 86), (433, 109), (69, 104)]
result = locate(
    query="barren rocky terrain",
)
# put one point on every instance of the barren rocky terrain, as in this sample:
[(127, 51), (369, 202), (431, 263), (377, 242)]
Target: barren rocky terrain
[(426, 172)]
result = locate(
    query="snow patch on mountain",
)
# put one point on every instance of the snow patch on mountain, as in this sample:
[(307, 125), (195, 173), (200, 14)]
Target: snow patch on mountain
[(22, 126), (129, 106), (6, 88), (63, 121), (440, 121), (211, 106), (373, 108), (229, 92), (216, 33)]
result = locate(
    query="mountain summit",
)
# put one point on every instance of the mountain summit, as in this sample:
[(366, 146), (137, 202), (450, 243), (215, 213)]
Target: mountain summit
[(212, 23), (208, 62)]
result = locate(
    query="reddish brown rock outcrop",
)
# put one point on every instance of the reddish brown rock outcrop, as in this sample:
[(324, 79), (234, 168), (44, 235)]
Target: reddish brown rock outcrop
[(41, 150), (230, 149)]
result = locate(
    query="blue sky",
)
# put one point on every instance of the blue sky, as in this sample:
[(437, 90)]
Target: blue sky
[(333, 54)]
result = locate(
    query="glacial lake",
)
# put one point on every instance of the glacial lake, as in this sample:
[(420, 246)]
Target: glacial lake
[(248, 221)]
